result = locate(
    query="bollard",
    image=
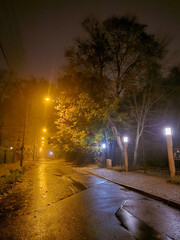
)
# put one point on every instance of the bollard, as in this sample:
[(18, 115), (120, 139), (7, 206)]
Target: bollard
[(109, 162)]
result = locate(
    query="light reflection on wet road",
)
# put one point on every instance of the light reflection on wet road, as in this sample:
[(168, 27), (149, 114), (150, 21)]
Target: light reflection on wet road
[(55, 201)]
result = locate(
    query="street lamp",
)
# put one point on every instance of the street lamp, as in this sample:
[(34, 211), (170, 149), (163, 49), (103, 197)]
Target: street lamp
[(44, 130), (51, 153), (103, 146), (125, 140), (168, 133), (47, 99)]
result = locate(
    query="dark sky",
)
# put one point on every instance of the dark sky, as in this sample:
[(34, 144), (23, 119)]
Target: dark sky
[(47, 27)]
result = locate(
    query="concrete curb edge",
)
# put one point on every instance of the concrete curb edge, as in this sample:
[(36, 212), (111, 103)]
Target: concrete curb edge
[(166, 201)]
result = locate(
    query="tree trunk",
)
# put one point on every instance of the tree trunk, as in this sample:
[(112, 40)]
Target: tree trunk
[(118, 138), (136, 148), (107, 145)]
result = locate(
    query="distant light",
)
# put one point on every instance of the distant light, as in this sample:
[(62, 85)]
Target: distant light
[(11, 147), (103, 145), (44, 129), (168, 131), (125, 139), (42, 144), (40, 149), (50, 153), (47, 99), (43, 138), (42, 141)]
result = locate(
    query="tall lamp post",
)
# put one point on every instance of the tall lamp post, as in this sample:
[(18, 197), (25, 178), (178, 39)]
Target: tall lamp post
[(24, 134), (168, 134), (23, 139), (125, 140)]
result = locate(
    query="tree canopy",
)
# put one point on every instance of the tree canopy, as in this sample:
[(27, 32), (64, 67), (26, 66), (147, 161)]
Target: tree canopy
[(117, 65)]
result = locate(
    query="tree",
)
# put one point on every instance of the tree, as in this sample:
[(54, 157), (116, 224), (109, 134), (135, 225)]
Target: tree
[(79, 123), (142, 100), (113, 58)]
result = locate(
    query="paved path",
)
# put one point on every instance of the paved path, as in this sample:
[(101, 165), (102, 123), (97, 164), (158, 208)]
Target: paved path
[(56, 201), (154, 185)]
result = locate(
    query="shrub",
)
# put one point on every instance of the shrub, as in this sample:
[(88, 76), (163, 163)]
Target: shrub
[(175, 180)]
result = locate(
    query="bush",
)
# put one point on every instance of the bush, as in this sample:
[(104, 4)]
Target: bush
[(175, 180), (118, 168), (9, 178)]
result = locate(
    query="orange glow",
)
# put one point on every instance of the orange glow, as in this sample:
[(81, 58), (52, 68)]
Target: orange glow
[(47, 99), (44, 129)]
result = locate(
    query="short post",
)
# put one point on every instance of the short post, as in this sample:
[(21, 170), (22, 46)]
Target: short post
[(5, 155), (168, 133), (125, 140)]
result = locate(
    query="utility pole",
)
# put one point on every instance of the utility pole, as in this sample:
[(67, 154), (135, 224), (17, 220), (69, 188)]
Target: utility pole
[(23, 139)]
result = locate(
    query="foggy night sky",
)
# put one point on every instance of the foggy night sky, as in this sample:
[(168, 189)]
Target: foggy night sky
[(47, 27)]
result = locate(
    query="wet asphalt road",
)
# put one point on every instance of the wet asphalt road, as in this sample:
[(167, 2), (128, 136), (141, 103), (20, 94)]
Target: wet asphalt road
[(56, 201)]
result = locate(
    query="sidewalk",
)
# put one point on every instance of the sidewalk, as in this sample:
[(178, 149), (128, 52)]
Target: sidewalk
[(152, 186)]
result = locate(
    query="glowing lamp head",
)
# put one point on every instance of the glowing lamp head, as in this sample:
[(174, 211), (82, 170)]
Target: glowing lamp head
[(42, 138), (47, 99), (11, 147), (168, 131), (125, 139), (103, 145), (50, 153), (44, 129), (40, 149)]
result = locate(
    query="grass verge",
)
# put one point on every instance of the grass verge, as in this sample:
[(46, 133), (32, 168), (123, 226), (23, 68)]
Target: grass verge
[(117, 168), (8, 179), (175, 180)]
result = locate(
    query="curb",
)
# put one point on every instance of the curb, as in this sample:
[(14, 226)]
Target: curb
[(150, 195)]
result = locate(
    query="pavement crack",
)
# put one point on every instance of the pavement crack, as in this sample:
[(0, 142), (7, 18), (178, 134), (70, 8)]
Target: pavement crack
[(138, 228), (51, 203)]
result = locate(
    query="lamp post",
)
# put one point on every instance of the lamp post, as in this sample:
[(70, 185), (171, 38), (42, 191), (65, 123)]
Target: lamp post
[(168, 134), (23, 138), (44, 130), (103, 146), (125, 140)]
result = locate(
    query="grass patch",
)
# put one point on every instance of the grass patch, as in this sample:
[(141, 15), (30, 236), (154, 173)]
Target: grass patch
[(118, 168), (175, 180), (9, 178), (93, 166)]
